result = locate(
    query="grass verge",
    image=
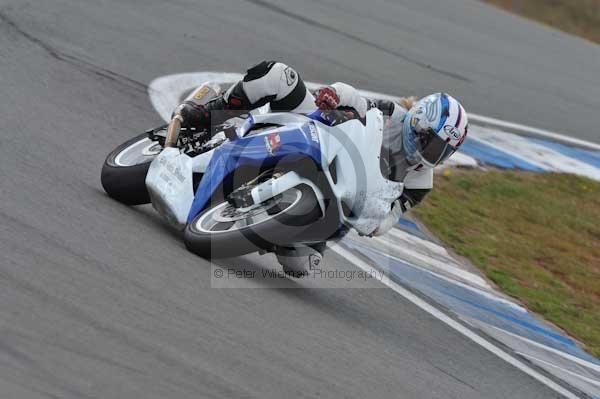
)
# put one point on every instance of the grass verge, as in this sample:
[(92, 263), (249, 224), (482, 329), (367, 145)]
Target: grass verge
[(537, 236), (577, 17)]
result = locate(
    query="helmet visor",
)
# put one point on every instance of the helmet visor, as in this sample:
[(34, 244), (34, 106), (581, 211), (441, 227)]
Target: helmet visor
[(434, 149), (426, 145)]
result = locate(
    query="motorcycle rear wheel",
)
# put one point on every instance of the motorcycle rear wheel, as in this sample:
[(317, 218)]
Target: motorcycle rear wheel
[(124, 171)]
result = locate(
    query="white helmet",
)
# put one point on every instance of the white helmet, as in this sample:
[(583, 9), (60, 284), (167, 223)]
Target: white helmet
[(433, 129)]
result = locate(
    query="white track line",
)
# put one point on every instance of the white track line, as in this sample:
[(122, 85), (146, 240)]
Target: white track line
[(534, 153), (488, 294), (165, 85), (565, 355), (533, 131), (455, 325), (586, 379), (446, 265), (486, 120)]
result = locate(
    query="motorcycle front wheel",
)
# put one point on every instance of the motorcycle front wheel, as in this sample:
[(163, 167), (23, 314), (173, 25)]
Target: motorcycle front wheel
[(225, 231)]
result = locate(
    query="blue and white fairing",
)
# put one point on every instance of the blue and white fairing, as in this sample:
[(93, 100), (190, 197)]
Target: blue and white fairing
[(352, 147), (292, 142), (355, 149)]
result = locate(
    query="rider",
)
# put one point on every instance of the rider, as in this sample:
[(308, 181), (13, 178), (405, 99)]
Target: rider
[(417, 135)]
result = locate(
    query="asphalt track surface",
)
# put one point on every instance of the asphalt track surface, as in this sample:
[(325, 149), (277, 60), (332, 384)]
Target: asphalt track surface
[(101, 300)]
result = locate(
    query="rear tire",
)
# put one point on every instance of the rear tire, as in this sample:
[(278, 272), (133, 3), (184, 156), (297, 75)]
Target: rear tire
[(127, 183), (277, 230)]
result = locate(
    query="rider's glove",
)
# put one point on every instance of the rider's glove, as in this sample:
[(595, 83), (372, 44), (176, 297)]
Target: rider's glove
[(194, 115), (327, 98)]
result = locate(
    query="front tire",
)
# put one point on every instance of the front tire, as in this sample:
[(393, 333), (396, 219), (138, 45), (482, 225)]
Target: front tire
[(224, 231), (124, 171)]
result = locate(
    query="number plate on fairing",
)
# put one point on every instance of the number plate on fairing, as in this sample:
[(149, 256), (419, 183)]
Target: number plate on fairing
[(170, 184)]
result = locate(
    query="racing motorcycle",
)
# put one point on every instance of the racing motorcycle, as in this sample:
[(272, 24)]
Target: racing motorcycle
[(260, 182)]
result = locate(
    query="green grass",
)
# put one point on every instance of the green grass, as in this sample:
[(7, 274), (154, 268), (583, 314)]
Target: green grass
[(577, 17), (537, 236)]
